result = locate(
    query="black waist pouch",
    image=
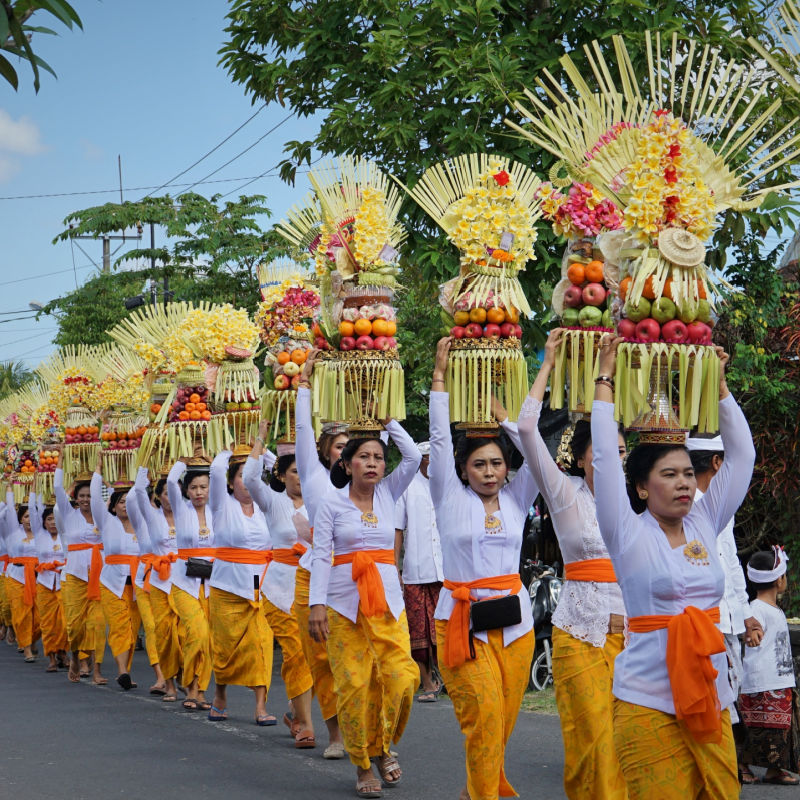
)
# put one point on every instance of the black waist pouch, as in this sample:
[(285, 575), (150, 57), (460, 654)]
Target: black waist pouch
[(497, 612), (198, 568)]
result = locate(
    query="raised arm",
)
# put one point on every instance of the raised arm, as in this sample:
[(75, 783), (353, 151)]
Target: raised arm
[(251, 477), (218, 482), (62, 500), (174, 493), (442, 469), (402, 475), (99, 511), (36, 510), (134, 505), (305, 450)]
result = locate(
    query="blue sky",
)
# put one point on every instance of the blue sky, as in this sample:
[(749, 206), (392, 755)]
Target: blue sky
[(141, 80)]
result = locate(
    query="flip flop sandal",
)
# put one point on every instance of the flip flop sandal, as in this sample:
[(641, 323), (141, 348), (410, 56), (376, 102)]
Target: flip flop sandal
[(157, 691), (369, 787), (169, 698), (217, 714), (84, 675), (203, 705), (305, 740), (52, 668), (190, 705), (100, 681), (125, 681), (747, 777), (335, 750), (294, 728), (386, 765), (30, 659), (427, 697), (266, 720), (783, 779)]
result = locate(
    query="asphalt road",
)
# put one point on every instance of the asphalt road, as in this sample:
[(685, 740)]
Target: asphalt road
[(87, 743)]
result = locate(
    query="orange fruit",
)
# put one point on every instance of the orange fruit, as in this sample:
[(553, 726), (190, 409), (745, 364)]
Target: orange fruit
[(391, 327), (346, 328), (316, 330), (496, 315), (93, 429), (82, 429), (667, 291), (183, 416), (195, 415), (380, 327), (461, 318), (362, 327), (283, 357), (155, 408), (112, 437), (194, 398), (190, 407), (477, 315), (576, 273), (28, 462), (624, 286), (512, 315), (206, 415), (594, 271), (649, 292), (299, 356), (200, 407), (701, 290)]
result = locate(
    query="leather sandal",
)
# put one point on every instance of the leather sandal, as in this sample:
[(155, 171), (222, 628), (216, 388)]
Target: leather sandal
[(305, 740), (783, 778), (387, 764), (289, 722), (369, 786)]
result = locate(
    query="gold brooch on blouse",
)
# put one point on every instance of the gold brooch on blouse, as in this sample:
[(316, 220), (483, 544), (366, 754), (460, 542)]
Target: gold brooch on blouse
[(202, 533), (492, 524), (368, 518), (696, 553), (171, 533)]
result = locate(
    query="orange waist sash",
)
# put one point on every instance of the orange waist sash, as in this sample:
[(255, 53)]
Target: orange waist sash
[(120, 560), (692, 638), (161, 564), (28, 563), (6, 561), (371, 593), (50, 566), (456, 639), (96, 564), (598, 570), (241, 555), (289, 555), (197, 552)]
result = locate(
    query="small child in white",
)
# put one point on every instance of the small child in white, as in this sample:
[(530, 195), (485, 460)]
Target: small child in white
[(768, 699)]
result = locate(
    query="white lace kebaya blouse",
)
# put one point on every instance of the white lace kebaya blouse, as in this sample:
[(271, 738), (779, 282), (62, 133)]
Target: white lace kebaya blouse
[(584, 606), (471, 549), (655, 578), (74, 529), (49, 548)]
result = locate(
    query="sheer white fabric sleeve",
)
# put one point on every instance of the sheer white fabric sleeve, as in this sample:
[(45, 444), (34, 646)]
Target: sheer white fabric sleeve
[(62, 500), (100, 513), (442, 470), (614, 512), (321, 556), (556, 488), (402, 475), (134, 505), (35, 511), (179, 509), (268, 459), (251, 476), (218, 482), (512, 431), (305, 448)]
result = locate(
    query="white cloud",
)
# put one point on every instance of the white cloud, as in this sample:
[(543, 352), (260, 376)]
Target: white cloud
[(8, 168), (19, 136)]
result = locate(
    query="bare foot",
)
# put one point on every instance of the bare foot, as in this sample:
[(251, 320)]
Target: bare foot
[(464, 794)]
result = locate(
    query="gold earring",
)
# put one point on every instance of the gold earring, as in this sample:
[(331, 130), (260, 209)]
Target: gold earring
[(643, 495)]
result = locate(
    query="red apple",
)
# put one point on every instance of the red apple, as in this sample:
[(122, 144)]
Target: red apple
[(594, 294), (626, 328), (122, 443), (365, 342), (88, 437), (674, 332), (347, 343), (518, 331), (458, 332), (648, 330), (381, 343), (473, 330), (295, 382), (281, 382), (507, 329), (698, 333), (491, 331), (321, 343), (392, 343), (573, 297)]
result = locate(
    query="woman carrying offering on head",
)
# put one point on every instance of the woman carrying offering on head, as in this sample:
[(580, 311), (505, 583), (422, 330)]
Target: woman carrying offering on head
[(670, 682), (589, 621), (484, 624)]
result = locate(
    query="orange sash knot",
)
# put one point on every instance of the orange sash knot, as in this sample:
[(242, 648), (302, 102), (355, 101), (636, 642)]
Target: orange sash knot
[(692, 638), (51, 566), (95, 566), (289, 555), (28, 563), (161, 564), (6, 561), (371, 593), (456, 638), (120, 560), (597, 570)]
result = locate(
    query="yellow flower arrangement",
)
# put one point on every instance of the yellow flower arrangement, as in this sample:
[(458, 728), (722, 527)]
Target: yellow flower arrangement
[(130, 393), (371, 229), (209, 334), (156, 359), (73, 387)]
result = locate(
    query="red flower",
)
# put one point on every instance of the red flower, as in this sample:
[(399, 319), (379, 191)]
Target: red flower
[(502, 178), (670, 175)]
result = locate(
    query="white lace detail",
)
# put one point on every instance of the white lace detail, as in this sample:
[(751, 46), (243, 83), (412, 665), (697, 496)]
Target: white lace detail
[(530, 408), (584, 607)]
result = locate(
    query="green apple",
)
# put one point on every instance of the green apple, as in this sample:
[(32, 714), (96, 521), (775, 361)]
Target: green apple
[(590, 317), (663, 310), (569, 317), (291, 369), (245, 406), (231, 406), (638, 312), (704, 311), (687, 312), (607, 321)]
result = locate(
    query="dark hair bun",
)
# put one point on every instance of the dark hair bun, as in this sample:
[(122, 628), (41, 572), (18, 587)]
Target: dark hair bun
[(339, 476)]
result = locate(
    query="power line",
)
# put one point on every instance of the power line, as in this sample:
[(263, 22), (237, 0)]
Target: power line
[(44, 275), (213, 149), (28, 338)]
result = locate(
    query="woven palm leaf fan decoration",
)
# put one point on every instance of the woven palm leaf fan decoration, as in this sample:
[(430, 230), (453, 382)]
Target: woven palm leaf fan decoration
[(350, 227), (488, 207), (285, 317), (787, 35), (671, 149)]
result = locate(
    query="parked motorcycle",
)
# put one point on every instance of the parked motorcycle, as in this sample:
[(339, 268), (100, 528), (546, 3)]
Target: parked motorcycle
[(544, 591)]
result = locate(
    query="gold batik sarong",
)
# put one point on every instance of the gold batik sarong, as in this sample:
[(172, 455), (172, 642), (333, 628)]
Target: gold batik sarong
[(193, 615), (583, 675), (660, 758), (294, 670), (24, 618), (487, 692), (122, 617), (51, 619), (241, 640), (5, 604), (374, 679), (149, 625), (165, 629)]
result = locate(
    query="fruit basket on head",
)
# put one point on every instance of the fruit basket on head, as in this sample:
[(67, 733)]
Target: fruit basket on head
[(350, 227), (286, 321), (488, 208), (44, 428), (671, 149)]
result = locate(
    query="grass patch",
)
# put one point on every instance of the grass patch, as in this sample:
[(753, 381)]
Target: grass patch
[(540, 702)]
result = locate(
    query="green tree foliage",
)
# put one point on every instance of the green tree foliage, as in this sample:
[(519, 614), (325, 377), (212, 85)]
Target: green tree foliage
[(13, 376), (16, 34)]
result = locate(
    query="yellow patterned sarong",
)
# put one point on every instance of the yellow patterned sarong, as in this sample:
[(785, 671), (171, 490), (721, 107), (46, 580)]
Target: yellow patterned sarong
[(51, 619), (241, 640), (122, 616), (5, 605), (193, 615), (316, 652), (76, 613), (660, 758), (487, 692), (96, 630), (294, 670), (583, 675), (165, 629), (149, 625), (374, 653), (24, 618)]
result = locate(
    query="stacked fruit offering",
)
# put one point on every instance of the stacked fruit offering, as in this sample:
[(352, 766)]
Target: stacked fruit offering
[(581, 299), (488, 322), (48, 459), (25, 461), (370, 326), (121, 439), (660, 315), (190, 404), (286, 359), (82, 434)]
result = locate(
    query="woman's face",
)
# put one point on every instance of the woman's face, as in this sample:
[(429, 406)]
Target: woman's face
[(163, 498), (485, 470), (291, 479), (368, 466), (337, 445), (586, 464), (197, 491), (25, 521), (240, 491), (121, 508), (83, 498), (50, 524), (670, 486)]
